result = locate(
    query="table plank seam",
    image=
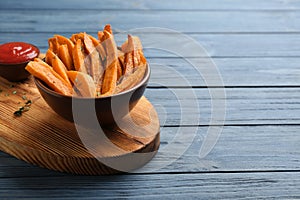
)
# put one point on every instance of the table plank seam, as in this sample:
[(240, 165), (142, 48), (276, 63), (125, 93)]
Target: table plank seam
[(225, 86), (155, 9), (227, 125), (288, 32), (163, 173)]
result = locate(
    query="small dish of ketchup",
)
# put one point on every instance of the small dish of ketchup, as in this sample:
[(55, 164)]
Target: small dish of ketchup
[(14, 57)]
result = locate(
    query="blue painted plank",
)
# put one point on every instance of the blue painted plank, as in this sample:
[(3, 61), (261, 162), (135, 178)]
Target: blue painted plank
[(216, 45), (244, 106), (239, 148), (235, 72), (190, 22), (167, 186), (152, 5)]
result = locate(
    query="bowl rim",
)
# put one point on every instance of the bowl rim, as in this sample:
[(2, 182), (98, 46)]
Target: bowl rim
[(146, 77), (25, 62)]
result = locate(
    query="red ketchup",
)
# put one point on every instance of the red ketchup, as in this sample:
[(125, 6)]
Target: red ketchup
[(17, 52)]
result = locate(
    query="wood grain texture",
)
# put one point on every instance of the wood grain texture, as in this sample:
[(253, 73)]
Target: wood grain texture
[(43, 138), (189, 22), (235, 72), (239, 149), (153, 5), (166, 186), (216, 45), (244, 106)]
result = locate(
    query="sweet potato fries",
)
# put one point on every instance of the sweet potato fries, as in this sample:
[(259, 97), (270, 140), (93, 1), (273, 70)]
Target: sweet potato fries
[(85, 66)]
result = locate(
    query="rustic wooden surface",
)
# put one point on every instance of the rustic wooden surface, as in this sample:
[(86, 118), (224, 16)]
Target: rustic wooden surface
[(256, 46), (43, 138)]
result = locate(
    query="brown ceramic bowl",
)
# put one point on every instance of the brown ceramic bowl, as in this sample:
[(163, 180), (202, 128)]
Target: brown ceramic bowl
[(16, 71), (82, 110)]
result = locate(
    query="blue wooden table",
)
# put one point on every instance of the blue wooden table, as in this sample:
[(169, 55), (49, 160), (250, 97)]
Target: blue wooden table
[(255, 47)]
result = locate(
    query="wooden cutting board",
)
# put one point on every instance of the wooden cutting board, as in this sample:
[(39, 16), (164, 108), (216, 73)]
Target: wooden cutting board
[(43, 138)]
